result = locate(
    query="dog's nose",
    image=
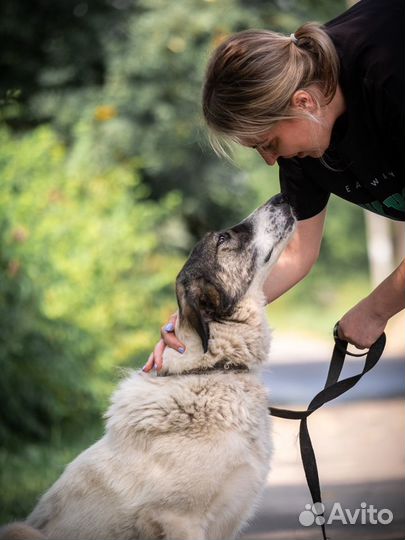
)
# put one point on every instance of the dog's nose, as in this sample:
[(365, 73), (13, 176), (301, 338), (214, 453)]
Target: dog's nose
[(279, 199)]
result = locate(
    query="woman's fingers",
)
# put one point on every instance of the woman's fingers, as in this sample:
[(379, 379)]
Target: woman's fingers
[(158, 354), (155, 359), (149, 364), (169, 339), (169, 327)]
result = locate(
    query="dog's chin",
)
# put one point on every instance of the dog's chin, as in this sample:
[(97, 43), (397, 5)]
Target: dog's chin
[(275, 251)]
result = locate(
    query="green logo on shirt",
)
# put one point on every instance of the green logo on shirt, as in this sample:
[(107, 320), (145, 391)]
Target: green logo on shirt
[(396, 201)]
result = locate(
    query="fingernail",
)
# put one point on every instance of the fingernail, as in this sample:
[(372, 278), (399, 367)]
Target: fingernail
[(144, 368), (169, 327), (181, 350)]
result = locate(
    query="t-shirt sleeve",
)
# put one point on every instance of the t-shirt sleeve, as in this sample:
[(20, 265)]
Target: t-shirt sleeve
[(305, 196)]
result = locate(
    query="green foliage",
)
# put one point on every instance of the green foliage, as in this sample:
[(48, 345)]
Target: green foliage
[(30, 471), (148, 107), (122, 80), (42, 384), (86, 281)]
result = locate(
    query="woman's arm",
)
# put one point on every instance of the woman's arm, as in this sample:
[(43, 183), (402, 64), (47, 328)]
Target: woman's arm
[(298, 258)]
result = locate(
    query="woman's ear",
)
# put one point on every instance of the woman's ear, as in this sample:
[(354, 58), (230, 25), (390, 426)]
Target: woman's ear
[(304, 101)]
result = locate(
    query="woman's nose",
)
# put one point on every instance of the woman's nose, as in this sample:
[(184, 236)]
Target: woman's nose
[(269, 157)]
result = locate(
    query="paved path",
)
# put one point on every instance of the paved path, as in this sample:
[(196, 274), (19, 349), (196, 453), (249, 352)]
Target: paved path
[(300, 382), (277, 521)]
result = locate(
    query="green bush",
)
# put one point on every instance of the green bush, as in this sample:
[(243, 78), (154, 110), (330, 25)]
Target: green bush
[(86, 278)]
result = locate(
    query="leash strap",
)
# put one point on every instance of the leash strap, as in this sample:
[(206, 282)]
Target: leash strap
[(333, 388)]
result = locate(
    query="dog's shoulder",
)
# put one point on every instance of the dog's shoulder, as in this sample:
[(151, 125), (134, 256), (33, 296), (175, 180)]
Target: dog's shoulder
[(191, 403)]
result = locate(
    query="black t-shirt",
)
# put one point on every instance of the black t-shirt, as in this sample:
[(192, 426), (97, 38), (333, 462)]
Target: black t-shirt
[(367, 147)]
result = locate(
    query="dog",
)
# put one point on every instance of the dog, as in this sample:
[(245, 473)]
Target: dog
[(186, 451)]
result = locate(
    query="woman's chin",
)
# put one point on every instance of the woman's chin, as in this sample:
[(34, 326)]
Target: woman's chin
[(317, 153)]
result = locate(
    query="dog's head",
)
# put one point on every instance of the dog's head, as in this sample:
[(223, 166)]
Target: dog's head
[(224, 266)]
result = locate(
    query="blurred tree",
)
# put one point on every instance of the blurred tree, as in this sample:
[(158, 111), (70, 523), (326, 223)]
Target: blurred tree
[(51, 47)]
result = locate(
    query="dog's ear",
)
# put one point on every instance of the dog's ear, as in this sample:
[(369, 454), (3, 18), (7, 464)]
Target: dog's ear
[(198, 302)]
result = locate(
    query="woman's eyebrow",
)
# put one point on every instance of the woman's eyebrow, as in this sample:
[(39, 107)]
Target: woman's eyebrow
[(264, 143), (255, 146)]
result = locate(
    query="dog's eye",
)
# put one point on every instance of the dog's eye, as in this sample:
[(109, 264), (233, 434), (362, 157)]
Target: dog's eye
[(223, 237)]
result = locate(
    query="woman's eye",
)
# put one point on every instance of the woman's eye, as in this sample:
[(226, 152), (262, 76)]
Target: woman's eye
[(269, 147), (223, 237)]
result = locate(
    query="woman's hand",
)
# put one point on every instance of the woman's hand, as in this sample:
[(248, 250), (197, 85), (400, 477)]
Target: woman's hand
[(168, 339), (366, 321), (361, 326)]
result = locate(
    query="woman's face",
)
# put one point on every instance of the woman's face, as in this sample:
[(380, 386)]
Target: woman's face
[(308, 133), (298, 137)]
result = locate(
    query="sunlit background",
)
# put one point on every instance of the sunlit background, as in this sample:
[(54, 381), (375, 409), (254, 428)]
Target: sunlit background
[(106, 181)]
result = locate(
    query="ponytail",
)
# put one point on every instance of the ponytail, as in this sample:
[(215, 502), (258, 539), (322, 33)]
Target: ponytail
[(313, 41)]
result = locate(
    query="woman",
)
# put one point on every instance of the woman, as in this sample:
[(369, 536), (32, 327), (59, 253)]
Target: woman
[(326, 104)]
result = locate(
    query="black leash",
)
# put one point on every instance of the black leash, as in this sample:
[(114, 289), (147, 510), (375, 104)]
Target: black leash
[(332, 389)]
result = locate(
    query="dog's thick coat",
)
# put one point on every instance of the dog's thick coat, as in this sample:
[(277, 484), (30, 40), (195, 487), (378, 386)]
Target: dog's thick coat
[(186, 453)]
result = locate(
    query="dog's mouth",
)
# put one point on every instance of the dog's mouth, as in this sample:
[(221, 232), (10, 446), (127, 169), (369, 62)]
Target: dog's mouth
[(290, 221), (285, 233), (267, 257)]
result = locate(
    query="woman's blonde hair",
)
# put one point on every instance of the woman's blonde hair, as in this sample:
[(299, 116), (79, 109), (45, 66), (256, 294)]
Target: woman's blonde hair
[(253, 75)]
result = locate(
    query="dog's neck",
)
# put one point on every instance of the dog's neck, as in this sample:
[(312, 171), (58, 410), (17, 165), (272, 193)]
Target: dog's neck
[(243, 340)]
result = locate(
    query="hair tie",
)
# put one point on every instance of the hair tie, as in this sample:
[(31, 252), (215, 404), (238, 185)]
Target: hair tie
[(293, 38)]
